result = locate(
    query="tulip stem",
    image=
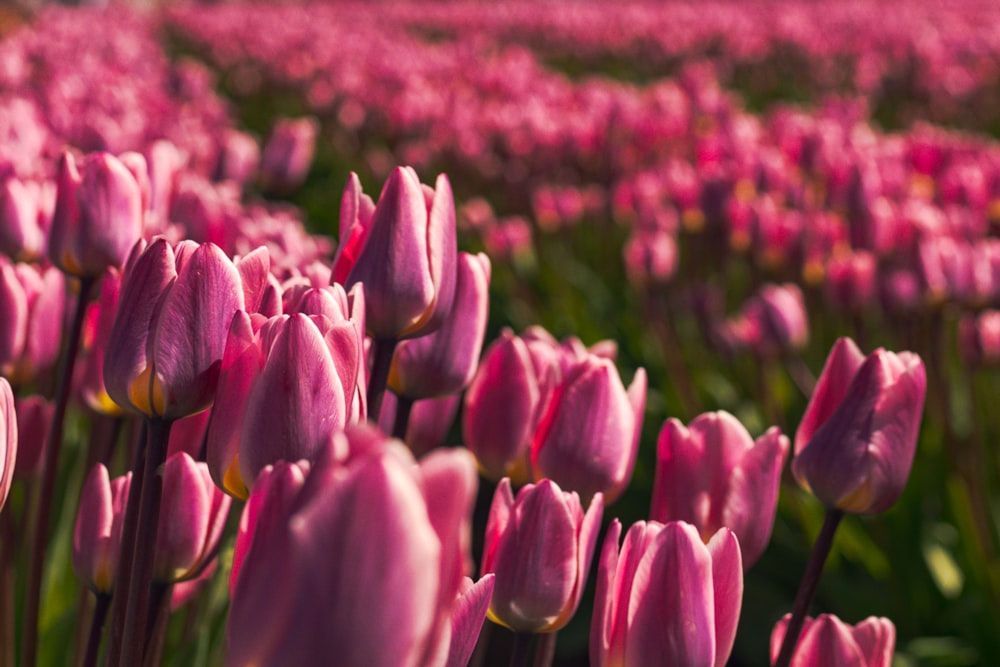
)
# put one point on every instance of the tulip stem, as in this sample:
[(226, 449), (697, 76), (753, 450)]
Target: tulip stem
[(545, 649), (126, 555), (404, 405), (382, 351), (521, 655), (808, 585), (141, 579), (50, 469), (96, 629)]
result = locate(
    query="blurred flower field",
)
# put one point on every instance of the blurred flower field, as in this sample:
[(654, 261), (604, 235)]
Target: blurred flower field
[(629, 297)]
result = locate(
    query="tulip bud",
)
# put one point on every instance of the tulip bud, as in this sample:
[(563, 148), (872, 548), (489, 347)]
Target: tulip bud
[(98, 216), (856, 442), (165, 347), (444, 361), (829, 641), (404, 254), (194, 514), (8, 433), (23, 235), (666, 598), (539, 546), (429, 422), (588, 436), (32, 301), (713, 475), (288, 154), (336, 582), (98, 533)]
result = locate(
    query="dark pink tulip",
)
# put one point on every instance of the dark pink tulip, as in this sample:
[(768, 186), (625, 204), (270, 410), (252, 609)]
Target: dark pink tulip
[(8, 432), (191, 522), (404, 254), (651, 256), (97, 330), (165, 347), (713, 475), (34, 416), (238, 158), (444, 361), (829, 642), (336, 583), (666, 598), (501, 408), (771, 321), (98, 216), (855, 444), (23, 226), (979, 337), (98, 533), (588, 435), (540, 547), (430, 421), (850, 280), (285, 160), (32, 301)]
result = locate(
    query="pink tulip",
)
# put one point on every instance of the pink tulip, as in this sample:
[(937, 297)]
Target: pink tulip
[(8, 432), (98, 533), (467, 619), (403, 252), (588, 435), (32, 302), (97, 330), (23, 224), (666, 598), (829, 642), (856, 442), (444, 361), (98, 216), (34, 417), (713, 475), (378, 591), (285, 160), (539, 546), (429, 423), (191, 522), (165, 347)]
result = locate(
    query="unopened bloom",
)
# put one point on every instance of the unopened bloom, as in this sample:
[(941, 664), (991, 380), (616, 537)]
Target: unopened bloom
[(540, 546), (829, 642), (336, 582), (32, 301), (8, 433), (404, 252), (288, 154), (98, 533), (855, 444), (666, 598), (712, 474), (98, 215)]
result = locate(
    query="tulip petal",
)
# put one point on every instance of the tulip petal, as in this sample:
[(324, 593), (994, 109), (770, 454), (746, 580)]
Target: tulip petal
[(727, 582), (840, 368), (467, 617)]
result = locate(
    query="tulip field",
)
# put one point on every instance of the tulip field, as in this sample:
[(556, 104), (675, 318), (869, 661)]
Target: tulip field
[(447, 333)]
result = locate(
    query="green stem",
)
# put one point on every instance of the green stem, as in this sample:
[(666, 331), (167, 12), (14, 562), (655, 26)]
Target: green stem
[(808, 585), (159, 617), (97, 629), (50, 469), (141, 580), (382, 351)]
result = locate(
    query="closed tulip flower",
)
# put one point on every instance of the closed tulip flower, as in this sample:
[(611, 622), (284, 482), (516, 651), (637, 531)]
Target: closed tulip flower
[(98, 534), (444, 362), (23, 225), (286, 158), (165, 347), (32, 302), (403, 252), (191, 522), (540, 546), (666, 598), (588, 434), (8, 433), (829, 642), (856, 442), (98, 215), (373, 592), (712, 474)]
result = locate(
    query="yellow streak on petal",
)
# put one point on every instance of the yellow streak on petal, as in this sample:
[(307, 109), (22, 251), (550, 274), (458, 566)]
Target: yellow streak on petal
[(232, 481), (146, 393)]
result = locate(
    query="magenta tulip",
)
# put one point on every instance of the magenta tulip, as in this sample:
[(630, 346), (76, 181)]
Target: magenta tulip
[(32, 302), (666, 598), (856, 442), (540, 546), (98, 534), (467, 619), (829, 642), (8, 432), (191, 521), (319, 581), (285, 160), (23, 225), (403, 252), (444, 361), (713, 475), (165, 347), (98, 215)]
